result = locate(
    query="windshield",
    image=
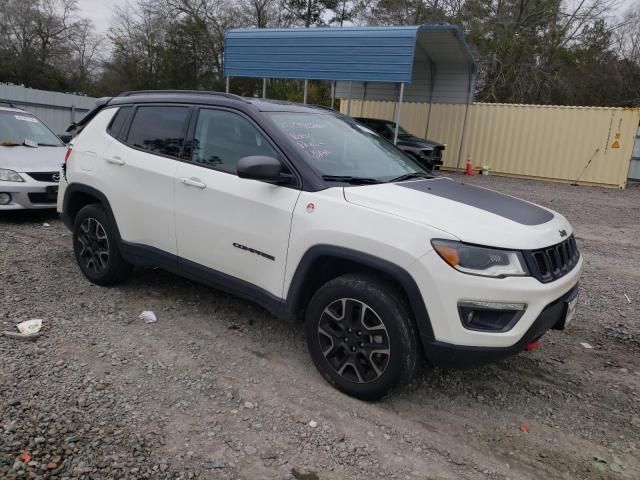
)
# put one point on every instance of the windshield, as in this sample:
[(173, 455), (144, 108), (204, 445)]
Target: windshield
[(16, 127), (337, 147), (392, 128)]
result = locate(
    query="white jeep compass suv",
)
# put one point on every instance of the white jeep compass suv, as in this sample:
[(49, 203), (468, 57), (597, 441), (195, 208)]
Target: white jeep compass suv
[(318, 219)]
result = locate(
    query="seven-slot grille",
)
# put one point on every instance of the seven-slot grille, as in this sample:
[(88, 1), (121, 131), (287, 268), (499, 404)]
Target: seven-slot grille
[(45, 176), (551, 263)]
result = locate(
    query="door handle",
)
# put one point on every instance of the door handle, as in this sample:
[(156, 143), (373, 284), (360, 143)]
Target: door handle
[(193, 182), (115, 161)]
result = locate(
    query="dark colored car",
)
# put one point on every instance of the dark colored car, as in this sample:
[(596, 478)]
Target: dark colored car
[(427, 152)]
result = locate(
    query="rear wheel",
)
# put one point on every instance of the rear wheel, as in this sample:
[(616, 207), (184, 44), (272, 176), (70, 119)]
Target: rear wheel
[(361, 336), (96, 248)]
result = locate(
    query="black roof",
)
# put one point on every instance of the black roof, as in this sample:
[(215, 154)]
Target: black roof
[(204, 97), (197, 97)]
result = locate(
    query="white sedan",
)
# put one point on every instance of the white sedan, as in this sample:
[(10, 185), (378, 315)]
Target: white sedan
[(30, 159)]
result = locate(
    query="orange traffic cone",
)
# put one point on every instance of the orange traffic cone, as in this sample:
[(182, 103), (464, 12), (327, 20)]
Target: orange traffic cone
[(469, 169)]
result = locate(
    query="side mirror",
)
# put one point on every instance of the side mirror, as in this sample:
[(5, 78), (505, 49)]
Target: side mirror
[(260, 167), (66, 138)]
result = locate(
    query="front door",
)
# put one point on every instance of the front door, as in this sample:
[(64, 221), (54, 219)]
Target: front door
[(234, 226)]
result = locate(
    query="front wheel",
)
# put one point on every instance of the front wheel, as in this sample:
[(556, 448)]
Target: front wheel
[(361, 336), (96, 247)]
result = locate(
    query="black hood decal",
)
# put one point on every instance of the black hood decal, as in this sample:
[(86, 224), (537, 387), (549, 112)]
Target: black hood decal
[(490, 201)]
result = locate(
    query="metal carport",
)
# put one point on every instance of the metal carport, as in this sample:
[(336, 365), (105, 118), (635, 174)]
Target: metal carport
[(430, 63)]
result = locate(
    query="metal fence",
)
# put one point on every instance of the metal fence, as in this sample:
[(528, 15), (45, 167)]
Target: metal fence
[(56, 110), (574, 144)]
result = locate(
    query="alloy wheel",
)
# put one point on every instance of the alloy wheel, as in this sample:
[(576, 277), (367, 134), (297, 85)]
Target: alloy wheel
[(354, 340), (93, 245)]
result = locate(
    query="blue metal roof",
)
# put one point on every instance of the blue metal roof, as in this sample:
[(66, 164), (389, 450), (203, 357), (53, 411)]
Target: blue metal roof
[(366, 54)]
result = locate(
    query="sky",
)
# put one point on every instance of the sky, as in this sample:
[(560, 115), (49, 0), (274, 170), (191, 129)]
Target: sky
[(100, 11)]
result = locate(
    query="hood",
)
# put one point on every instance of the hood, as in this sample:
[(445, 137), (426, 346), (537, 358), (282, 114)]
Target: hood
[(28, 159), (472, 214), (409, 141)]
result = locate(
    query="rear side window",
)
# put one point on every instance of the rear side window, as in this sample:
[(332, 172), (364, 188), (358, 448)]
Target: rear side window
[(158, 129), (119, 119)]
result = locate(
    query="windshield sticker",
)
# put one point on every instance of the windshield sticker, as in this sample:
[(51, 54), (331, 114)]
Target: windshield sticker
[(24, 118)]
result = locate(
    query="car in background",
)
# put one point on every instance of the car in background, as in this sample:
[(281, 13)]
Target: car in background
[(427, 152), (30, 159)]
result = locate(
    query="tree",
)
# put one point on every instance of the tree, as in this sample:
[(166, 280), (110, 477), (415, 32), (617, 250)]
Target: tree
[(84, 58), (35, 41), (308, 12)]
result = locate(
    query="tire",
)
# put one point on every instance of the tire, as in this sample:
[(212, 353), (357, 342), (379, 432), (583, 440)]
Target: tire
[(95, 244), (386, 349)]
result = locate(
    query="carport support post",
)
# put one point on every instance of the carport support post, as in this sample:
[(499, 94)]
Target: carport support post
[(349, 100), (264, 88), (472, 78), (333, 93), (306, 91), (228, 78), (398, 110)]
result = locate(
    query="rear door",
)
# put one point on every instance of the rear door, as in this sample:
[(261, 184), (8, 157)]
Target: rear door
[(227, 224), (140, 168)]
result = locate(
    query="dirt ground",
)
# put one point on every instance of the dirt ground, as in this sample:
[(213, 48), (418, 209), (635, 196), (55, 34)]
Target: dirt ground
[(218, 389)]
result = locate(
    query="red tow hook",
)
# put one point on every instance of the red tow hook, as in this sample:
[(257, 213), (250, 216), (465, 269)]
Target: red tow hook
[(531, 346)]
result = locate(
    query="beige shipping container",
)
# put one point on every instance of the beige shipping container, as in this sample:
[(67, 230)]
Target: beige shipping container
[(589, 145)]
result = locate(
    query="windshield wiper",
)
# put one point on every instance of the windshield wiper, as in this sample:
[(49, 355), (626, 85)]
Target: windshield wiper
[(9, 143), (410, 176), (350, 179), (49, 145)]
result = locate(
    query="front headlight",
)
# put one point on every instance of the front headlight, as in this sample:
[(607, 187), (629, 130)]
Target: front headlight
[(9, 176), (488, 262), (426, 152)]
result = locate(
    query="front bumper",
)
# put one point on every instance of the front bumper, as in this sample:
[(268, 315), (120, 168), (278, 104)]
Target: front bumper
[(30, 194), (459, 356), (443, 287)]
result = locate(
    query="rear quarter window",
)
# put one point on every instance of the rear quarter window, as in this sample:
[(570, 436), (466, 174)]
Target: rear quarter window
[(116, 127), (159, 129)]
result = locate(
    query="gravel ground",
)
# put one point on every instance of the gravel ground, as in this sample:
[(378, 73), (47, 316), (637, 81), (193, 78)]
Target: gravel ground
[(217, 388)]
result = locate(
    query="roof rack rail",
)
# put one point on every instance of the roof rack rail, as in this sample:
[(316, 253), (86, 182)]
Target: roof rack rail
[(7, 102), (188, 92)]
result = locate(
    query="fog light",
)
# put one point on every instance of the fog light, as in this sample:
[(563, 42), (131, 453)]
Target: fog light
[(5, 198), (490, 316)]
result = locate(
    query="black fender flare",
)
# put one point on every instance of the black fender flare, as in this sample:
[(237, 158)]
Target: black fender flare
[(74, 188), (399, 274)]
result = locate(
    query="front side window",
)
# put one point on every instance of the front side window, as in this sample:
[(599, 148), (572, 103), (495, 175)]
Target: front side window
[(222, 138), (159, 129), (16, 128), (336, 146)]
